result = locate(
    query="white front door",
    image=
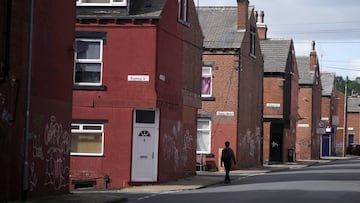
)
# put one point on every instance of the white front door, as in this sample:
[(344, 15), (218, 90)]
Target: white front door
[(145, 146)]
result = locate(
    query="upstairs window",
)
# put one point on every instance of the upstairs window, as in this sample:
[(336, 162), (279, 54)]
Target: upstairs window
[(183, 11), (206, 81), (252, 41), (101, 2), (88, 62)]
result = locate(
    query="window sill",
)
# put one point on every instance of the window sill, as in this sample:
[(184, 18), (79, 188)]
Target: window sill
[(253, 56), (208, 98), (86, 154), (90, 88), (185, 23)]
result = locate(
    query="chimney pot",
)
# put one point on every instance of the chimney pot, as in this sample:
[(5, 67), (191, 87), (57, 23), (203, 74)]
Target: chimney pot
[(261, 27), (313, 57), (313, 45)]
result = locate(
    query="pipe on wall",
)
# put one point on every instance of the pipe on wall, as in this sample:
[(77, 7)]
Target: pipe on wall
[(25, 178), (6, 67)]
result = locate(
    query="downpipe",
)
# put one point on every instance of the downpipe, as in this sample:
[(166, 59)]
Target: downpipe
[(25, 178)]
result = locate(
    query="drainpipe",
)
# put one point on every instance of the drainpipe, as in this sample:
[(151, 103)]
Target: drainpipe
[(28, 95), (8, 40)]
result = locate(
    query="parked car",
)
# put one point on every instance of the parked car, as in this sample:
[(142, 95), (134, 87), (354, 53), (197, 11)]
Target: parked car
[(353, 149)]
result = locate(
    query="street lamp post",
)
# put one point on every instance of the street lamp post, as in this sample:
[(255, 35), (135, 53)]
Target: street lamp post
[(345, 119)]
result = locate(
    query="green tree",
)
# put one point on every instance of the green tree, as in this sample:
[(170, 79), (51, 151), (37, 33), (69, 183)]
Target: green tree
[(353, 85)]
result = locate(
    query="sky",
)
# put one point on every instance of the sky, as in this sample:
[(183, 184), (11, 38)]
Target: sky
[(334, 25)]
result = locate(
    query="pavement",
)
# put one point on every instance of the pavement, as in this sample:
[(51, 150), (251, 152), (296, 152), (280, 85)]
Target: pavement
[(202, 179)]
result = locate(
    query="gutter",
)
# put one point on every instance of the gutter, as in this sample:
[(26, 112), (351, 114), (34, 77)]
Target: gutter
[(25, 178), (94, 17)]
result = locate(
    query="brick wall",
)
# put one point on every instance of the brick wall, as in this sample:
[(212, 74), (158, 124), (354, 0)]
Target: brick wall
[(340, 128), (273, 94), (304, 126), (353, 125)]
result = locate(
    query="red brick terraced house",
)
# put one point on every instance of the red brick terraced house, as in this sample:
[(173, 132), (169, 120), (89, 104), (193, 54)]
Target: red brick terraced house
[(341, 139), (36, 57), (137, 83), (232, 85), (280, 97), (310, 89), (329, 115), (353, 120)]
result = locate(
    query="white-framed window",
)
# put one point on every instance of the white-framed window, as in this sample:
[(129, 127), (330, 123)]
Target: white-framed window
[(101, 2), (206, 81), (203, 136), (183, 11), (252, 41), (88, 62), (87, 139)]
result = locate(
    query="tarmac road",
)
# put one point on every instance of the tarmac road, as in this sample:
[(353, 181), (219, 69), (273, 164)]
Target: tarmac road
[(333, 182), (271, 181)]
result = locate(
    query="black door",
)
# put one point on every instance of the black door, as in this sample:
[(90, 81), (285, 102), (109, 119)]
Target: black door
[(276, 142)]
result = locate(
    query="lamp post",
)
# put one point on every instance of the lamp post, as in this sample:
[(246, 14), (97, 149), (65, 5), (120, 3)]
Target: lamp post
[(345, 118)]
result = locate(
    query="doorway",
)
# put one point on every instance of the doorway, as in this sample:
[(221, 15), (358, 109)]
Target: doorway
[(351, 139), (325, 145), (276, 142), (144, 166)]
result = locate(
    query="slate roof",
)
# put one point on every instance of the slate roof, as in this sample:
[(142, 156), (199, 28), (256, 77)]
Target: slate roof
[(306, 77), (219, 26), (353, 104), (276, 53), (327, 81), (136, 9)]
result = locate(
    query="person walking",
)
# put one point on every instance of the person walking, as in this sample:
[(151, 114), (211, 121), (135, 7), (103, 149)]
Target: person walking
[(227, 157)]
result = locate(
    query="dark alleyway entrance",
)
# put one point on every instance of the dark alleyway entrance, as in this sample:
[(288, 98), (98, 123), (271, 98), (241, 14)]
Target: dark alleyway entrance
[(276, 142)]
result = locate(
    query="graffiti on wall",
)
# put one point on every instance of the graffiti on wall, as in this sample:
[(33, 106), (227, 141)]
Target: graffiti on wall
[(8, 103), (181, 142), (52, 149), (249, 141)]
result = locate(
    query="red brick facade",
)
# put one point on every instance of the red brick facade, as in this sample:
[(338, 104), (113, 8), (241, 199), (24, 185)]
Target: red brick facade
[(280, 98), (340, 134), (36, 95), (169, 52), (353, 120), (329, 113), (307, 139), (237, 91)]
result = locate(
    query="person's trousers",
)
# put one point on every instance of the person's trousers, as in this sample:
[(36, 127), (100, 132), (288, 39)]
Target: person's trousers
[(227, 172)]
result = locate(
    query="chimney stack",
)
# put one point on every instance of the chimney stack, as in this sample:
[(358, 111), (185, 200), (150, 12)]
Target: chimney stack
[(261, 26), (243, 11), (313, 57)]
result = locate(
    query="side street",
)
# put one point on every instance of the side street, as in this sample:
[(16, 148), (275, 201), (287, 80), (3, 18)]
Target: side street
[(132, 95)]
